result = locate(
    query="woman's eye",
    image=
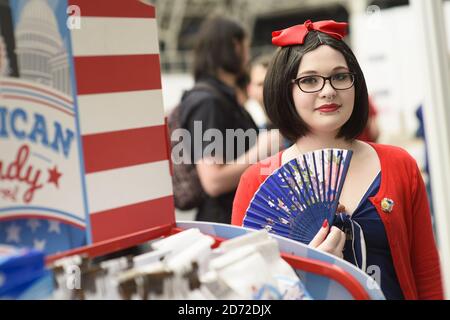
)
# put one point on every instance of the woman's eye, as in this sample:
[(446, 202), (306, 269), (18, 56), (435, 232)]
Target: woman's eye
[(309, 80), (341, 77)]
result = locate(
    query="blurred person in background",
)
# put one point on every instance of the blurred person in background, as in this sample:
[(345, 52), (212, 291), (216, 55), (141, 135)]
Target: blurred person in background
[(242, 95), (255, 89), (221, 55), (255, 105), (371, 132)]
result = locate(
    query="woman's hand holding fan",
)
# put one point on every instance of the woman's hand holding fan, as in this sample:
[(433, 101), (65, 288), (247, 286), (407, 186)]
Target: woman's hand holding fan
[(331, 242)]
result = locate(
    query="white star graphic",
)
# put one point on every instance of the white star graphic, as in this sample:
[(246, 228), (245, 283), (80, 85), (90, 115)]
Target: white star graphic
[(13, 232), (53, 226), (39, 244), (33, 224)]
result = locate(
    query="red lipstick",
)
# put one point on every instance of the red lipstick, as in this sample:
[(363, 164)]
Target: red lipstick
[(328, 107)]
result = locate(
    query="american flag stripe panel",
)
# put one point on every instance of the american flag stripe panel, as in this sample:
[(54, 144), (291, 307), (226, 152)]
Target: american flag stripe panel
[(117, 69), (89, 40), (127, 115), (132, 218), (123, 148), (106, 74), (128, 185), (114, 9)]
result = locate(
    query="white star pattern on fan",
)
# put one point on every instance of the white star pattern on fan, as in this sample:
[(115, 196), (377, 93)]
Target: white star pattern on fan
[(33, 224), (39, 244), (54, 226), (13, 232)]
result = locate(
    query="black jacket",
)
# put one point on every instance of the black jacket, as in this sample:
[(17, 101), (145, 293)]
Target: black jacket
[(215, 109)]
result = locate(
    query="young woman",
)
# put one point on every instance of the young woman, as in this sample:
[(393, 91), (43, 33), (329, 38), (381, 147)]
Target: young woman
[(316, 94)]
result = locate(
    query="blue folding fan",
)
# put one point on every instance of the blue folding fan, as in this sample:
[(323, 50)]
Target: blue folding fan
[(294, 201)]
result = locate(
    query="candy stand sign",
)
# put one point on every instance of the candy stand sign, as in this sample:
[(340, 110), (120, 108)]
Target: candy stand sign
[(44, 172)]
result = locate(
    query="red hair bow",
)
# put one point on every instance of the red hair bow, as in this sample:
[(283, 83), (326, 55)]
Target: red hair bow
[(297, 34)]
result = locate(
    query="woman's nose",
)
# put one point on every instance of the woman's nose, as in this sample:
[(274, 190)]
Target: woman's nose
[(328, 90)]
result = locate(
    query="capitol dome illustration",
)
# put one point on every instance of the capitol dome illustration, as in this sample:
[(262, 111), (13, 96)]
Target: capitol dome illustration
[(4, 64), (40, 48)]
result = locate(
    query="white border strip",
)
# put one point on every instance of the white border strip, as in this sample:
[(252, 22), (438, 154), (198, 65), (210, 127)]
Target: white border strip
[(104, 36), (108, 112), (126, 186)]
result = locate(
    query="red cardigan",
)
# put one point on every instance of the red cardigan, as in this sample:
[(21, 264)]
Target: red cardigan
[(408, 225)]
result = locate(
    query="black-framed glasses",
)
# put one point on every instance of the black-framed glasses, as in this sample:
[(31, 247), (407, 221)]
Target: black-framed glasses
[(315, 83)]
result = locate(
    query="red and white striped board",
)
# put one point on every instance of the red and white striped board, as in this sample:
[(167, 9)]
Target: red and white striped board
[(124, 140), (83, 143)]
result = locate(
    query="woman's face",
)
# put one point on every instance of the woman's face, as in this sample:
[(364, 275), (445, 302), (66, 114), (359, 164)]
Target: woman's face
[(327, 110)]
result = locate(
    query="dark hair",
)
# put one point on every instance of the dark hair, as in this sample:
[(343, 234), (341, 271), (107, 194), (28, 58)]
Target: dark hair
[(243, 80), (216, 47), (278, 100)]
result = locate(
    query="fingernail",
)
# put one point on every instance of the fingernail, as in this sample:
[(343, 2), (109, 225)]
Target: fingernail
[(325, 223)]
